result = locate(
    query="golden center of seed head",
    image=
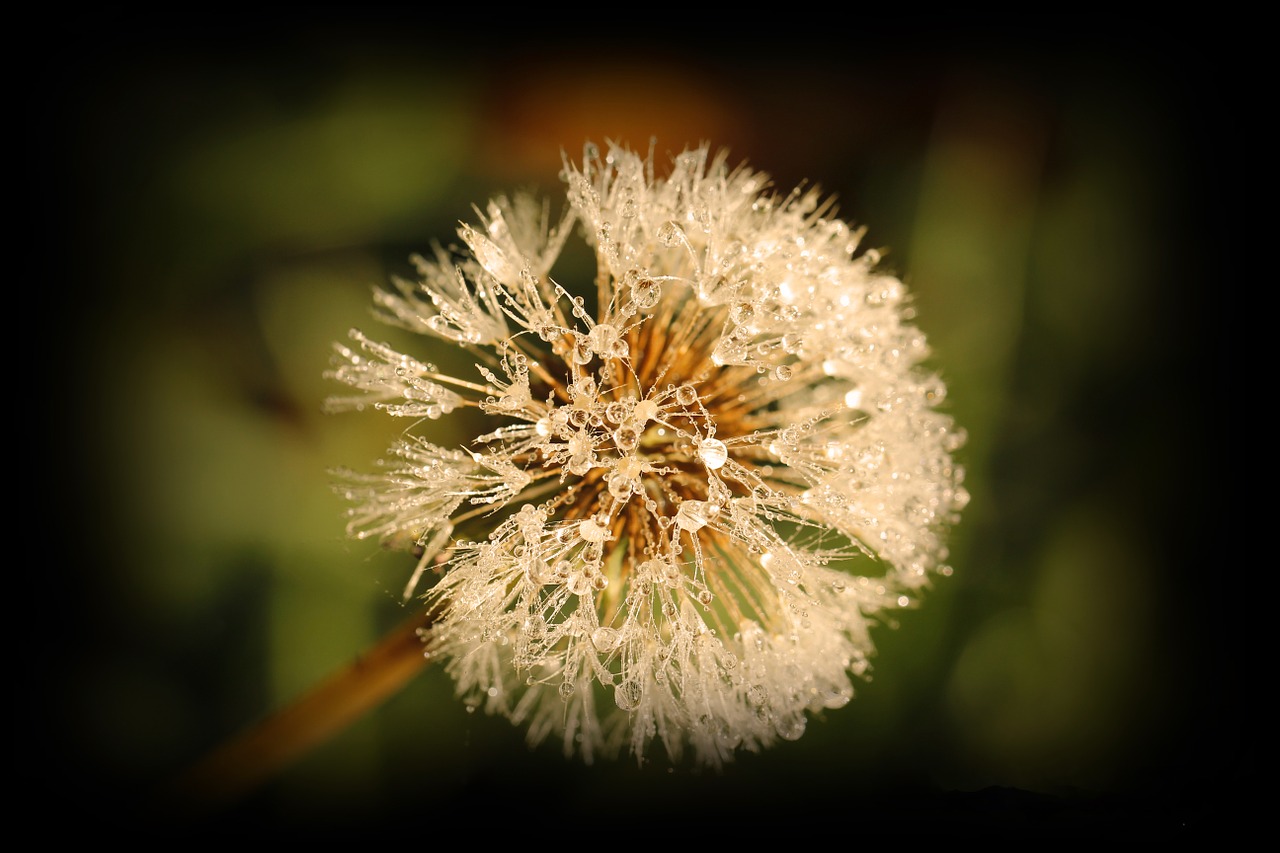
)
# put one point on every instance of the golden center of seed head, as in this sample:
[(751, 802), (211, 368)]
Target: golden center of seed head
[(634, 429)]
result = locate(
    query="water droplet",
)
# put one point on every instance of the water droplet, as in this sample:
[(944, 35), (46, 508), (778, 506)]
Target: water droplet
[(782, 372), (615, 412), (686, 395), (620, 487), (713, 453), (592, 531), (670, 234), (791, 726), (626, 437), (692, 515), (628, 695), (605, 639), (838, 697), (565, 689), (645, 293), (602, 337)]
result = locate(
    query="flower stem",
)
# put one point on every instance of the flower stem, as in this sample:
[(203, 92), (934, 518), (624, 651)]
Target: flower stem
[(254, 756)]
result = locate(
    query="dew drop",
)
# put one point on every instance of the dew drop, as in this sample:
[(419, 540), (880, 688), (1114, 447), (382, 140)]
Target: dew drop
[(605, 639), (645, 293), (626, 437), (692, 515), (670, 234), (592, 531), (838, 697), (615, 412), (620, 487), (742, 313), (628, 695), (581, 349), (713, 453), (790, 727)]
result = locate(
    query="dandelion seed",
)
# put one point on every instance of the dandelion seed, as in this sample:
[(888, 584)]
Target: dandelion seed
[(697, 497)]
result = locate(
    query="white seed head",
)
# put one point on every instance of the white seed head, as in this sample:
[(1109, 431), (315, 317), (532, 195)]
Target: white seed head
[(695, 498)]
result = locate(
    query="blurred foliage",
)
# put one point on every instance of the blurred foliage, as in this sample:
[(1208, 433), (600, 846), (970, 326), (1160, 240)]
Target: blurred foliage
[(219, 207)]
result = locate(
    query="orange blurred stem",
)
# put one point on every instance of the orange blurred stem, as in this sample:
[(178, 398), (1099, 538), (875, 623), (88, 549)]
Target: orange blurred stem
[(242, 764)]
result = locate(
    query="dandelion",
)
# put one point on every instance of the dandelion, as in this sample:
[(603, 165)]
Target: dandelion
[(705, 479)]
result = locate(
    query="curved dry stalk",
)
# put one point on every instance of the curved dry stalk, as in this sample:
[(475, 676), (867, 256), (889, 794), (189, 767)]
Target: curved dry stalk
[(240, 765)]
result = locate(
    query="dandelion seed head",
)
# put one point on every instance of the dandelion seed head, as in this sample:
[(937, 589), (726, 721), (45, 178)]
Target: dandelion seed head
[(697, 493)]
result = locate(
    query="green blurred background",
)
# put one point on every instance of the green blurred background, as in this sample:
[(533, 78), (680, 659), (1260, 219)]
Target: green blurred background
[(216, 205)]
